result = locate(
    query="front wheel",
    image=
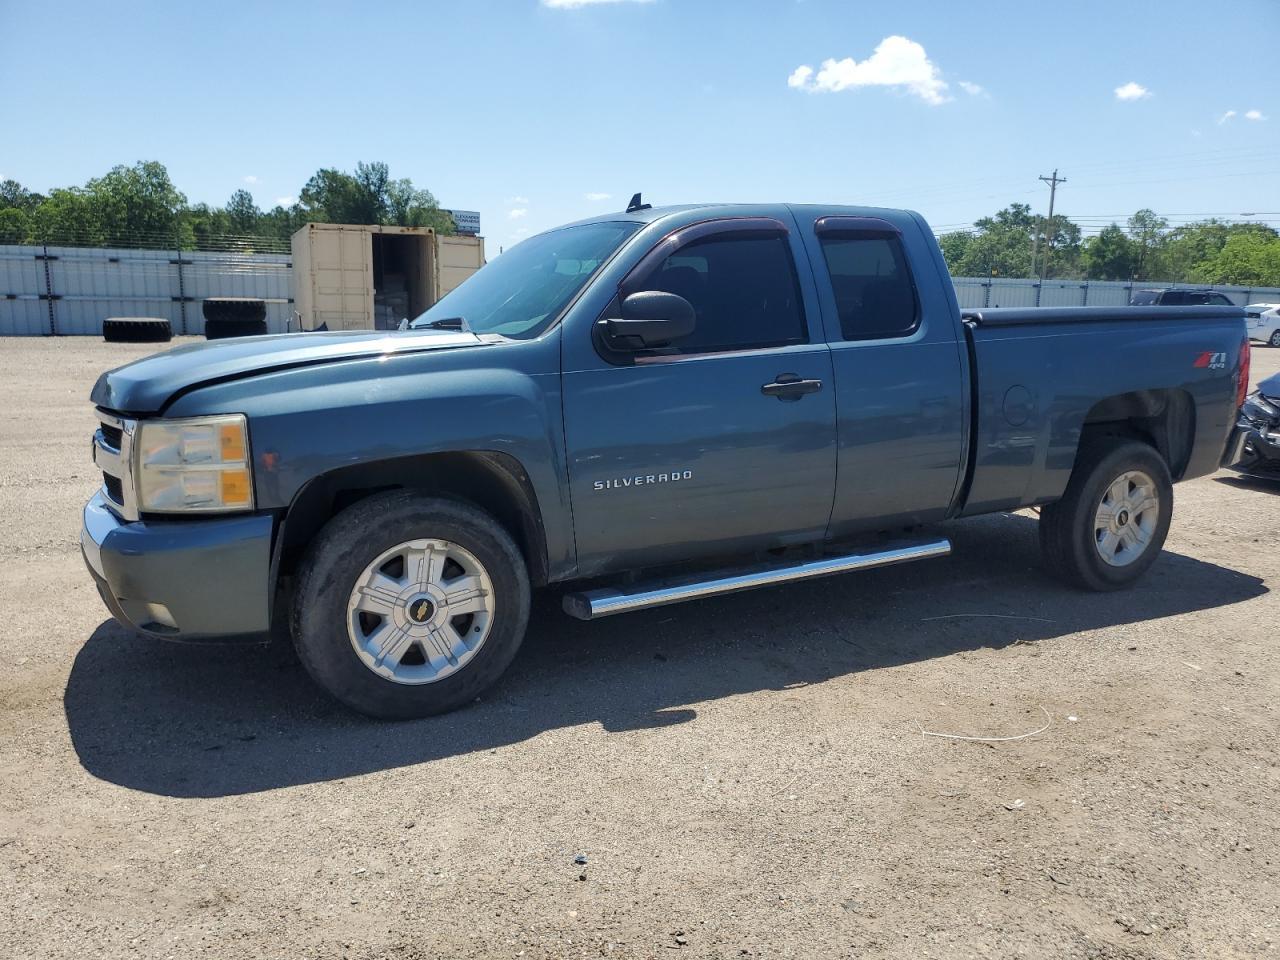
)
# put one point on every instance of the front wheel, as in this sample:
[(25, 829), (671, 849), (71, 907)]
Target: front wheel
[(1111, 522), (409, 605), (1275, 338)]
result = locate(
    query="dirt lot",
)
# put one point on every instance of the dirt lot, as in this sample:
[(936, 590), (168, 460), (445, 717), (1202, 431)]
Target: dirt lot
[(746, 776)]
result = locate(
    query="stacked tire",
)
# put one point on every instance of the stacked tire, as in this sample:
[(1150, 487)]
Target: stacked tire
[(136, 330), (234, 317)]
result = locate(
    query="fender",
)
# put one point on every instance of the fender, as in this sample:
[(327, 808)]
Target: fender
[(308, 422)]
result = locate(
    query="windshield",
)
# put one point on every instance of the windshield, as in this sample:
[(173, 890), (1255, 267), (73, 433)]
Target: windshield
[(524, 289)]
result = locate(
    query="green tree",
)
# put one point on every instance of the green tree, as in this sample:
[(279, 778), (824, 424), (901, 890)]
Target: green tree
[(1147, 231), (137, 206), (13, 225), (1248, 258), (954, 246), (15, 195), (1111, 255), (370, 195), (66, 216), (243, 213)]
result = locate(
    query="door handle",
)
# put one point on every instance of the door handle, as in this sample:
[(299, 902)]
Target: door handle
[(789, 386)]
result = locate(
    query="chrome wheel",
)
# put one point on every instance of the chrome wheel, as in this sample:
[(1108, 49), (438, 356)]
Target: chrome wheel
[(420, 612), (1275, 338), (1126, 518)]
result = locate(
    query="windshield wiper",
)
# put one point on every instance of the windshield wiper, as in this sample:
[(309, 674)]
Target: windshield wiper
[(449, 323)]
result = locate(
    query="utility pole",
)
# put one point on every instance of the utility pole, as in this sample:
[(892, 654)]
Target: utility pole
[(1053, 182)]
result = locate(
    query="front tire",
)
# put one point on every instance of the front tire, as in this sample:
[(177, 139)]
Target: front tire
[(1111, 523), (409, 605), (1275, 338)]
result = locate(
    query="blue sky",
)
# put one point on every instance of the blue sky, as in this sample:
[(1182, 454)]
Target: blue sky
[(536, 112)]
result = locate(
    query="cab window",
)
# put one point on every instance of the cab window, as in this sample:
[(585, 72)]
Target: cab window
[(875, 296)]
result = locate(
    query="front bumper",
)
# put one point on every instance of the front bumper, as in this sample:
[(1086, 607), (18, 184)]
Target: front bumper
[(184, 580), (1253, 452)]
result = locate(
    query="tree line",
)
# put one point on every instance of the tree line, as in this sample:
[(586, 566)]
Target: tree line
[(139, 206), (1147, 247)]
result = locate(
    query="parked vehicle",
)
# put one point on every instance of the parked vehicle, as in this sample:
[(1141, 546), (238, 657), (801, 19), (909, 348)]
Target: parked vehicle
[(1256, 446), (760, 390), (1263, 322), (1179, 297)]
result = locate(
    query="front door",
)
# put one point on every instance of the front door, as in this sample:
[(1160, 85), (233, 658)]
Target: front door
[(725, 441)]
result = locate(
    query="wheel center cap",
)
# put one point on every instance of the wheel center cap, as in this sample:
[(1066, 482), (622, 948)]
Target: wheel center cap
[(420, 610), (1122, 517)]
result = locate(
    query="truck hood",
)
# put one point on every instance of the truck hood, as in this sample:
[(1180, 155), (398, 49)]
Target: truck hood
[(147, 385)]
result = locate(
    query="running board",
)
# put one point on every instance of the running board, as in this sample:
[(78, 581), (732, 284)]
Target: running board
[(606, 601)]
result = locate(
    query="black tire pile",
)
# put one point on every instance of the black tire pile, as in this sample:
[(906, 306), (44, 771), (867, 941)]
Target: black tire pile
[(234, 317)]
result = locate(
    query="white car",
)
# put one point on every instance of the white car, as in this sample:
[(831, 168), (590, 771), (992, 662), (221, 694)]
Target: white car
[(1263, 322)]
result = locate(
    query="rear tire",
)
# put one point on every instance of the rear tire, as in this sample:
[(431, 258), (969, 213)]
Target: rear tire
[(360, 582), (1111, 523)]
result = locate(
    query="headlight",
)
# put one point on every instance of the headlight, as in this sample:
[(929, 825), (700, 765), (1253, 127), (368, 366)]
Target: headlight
[(1258, 409), (199, 465)]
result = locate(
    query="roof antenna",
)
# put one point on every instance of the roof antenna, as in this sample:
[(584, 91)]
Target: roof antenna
[(636, 204)]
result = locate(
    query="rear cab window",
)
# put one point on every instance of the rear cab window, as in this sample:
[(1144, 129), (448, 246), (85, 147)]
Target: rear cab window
[(870, 278)]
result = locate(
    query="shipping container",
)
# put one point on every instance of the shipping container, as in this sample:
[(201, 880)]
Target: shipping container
[(367, 277)]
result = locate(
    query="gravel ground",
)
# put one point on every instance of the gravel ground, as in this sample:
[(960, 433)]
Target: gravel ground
[(746, 776)]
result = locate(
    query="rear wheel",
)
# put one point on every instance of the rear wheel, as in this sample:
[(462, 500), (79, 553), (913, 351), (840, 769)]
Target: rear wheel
[(1111, 522), (409, 605)]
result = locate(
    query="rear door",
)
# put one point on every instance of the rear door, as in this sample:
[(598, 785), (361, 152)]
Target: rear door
[(723, 442), (900, 378)]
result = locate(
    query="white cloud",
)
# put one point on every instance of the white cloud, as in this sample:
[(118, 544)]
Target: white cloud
[(517, 213), (286, 201), (570, 4), (1132, 91), (1225, 117), (896, 62), (799, 77), (594, 197), (972, 89), (251, 179), (518, 200), (1254, 115)]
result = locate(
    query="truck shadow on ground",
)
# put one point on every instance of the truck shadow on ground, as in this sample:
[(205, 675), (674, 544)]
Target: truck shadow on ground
[(188, 721)]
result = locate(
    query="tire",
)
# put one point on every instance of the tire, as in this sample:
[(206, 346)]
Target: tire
[(136, 330), (223, 329), (334, 639), (1275, 338), (234, 308), (1074, 546)]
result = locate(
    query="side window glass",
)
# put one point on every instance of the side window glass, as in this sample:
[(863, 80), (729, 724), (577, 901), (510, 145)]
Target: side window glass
[(743, 289), (874, 294), (1220, 300)]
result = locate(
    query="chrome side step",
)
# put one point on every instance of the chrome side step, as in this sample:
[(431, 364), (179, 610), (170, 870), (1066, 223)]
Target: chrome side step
[(606, 601)]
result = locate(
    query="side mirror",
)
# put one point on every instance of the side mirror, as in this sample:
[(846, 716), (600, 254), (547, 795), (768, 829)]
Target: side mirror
[(652, 318)]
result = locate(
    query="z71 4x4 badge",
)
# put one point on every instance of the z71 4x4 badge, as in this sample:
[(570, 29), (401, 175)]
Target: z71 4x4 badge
[(1211, 361), (618, 483)]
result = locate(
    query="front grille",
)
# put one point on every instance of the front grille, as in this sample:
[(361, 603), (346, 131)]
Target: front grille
[(112, 452), (113, 435)]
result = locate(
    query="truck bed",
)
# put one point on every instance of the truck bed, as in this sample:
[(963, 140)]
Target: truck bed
[(1042, 376)]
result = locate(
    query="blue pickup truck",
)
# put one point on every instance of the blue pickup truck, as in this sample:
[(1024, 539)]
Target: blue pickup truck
[(642, 408)]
